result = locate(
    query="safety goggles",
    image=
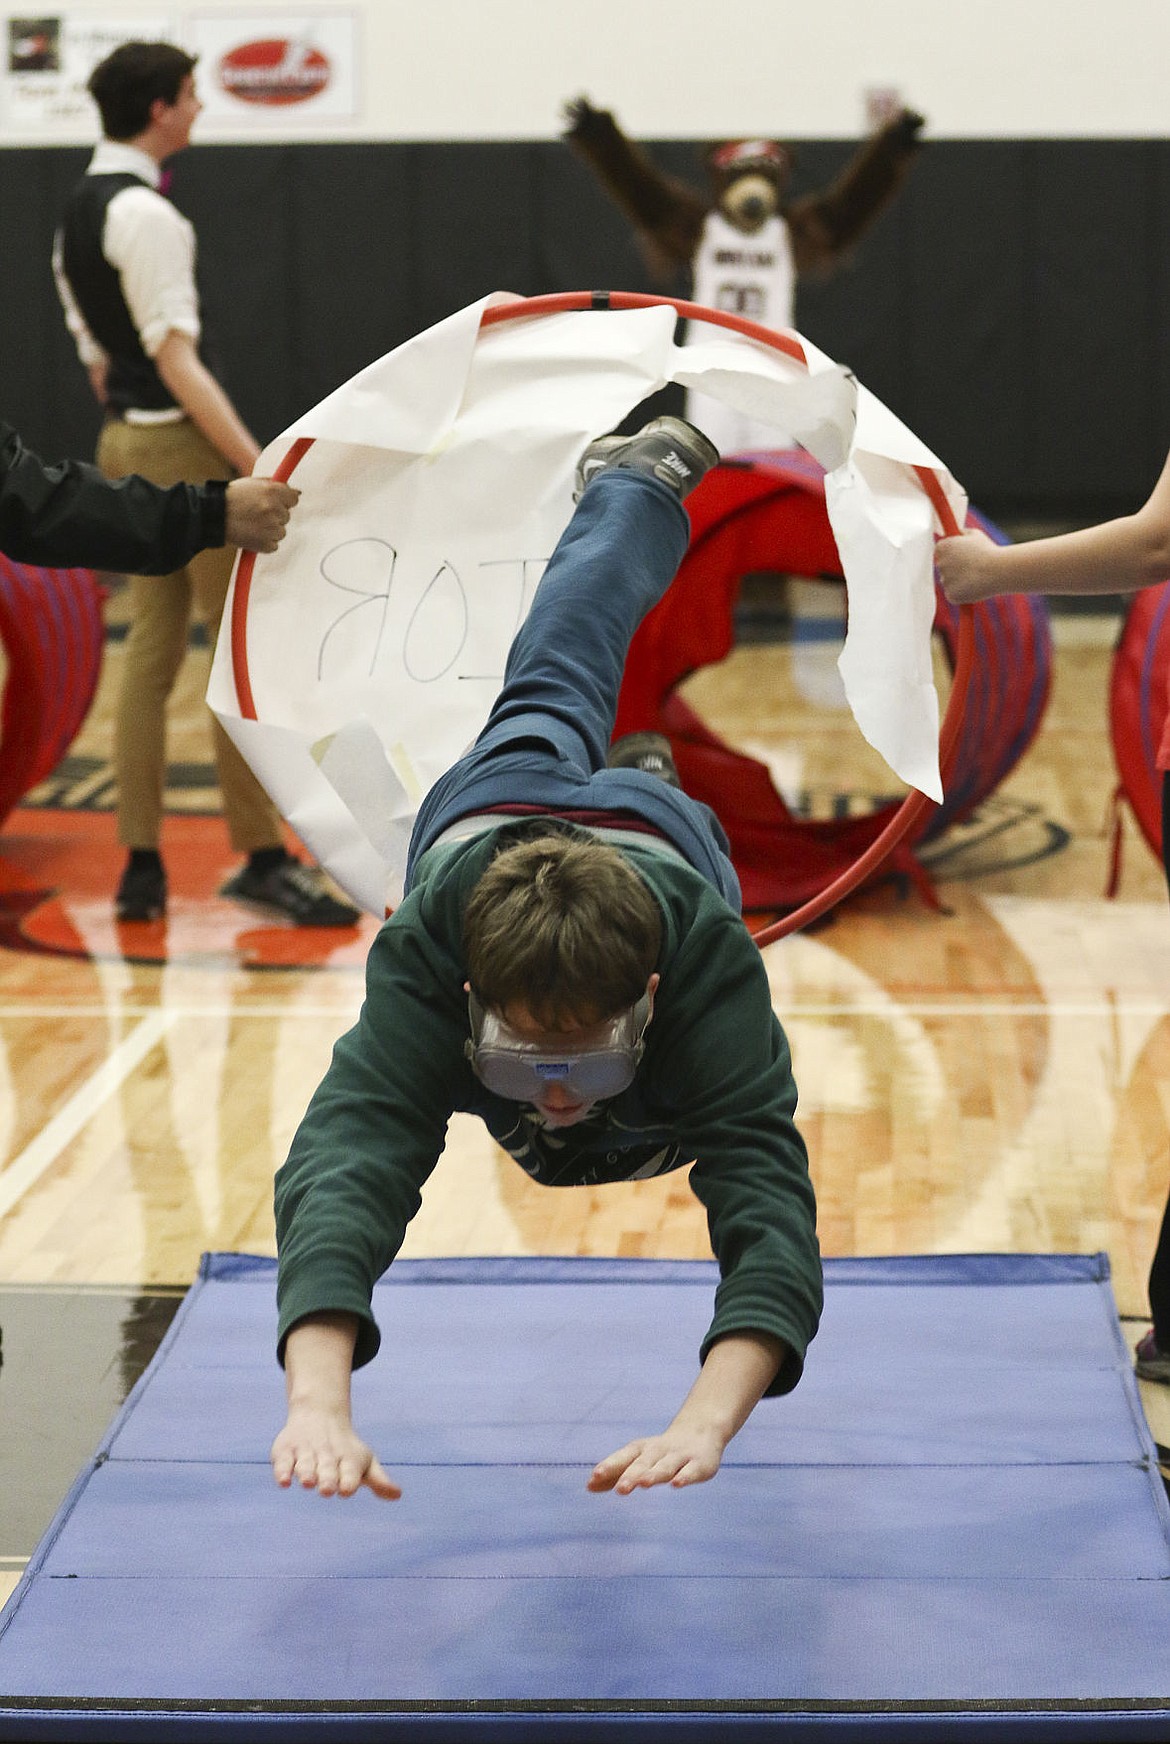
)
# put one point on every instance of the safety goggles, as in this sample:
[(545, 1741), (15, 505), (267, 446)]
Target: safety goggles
[(521, 1071)]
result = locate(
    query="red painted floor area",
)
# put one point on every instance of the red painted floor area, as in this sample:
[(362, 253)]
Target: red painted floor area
[(59, 870)]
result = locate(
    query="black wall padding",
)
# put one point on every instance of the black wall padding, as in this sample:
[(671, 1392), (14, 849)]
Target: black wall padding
[(1012, 307)]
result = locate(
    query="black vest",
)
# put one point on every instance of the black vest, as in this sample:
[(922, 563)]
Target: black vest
[(133, 381)]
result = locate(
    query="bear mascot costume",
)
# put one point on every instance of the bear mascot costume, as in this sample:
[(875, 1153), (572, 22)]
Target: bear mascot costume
[(745, 246)]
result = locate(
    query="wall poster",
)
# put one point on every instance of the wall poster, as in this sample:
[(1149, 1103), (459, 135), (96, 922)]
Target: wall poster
[(48, 56), (270, 69)]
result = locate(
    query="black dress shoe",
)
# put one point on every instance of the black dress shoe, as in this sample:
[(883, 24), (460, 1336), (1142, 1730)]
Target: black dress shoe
[(142, 894)]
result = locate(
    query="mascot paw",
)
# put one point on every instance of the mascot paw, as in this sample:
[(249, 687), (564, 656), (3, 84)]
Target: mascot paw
[(908, 127), (581, 118)]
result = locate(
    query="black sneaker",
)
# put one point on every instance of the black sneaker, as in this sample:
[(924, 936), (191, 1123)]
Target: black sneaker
[(1150, 1362), (668, 449), (648, 751), (298, 892), (142, 893)]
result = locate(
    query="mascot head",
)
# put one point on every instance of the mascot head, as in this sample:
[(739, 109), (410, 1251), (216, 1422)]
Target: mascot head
[(749, 176)]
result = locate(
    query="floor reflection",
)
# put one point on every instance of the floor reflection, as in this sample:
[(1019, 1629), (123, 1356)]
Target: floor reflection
[(70, 1356)]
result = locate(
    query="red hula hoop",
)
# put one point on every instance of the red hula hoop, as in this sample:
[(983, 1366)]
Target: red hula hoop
[(243, 591), (913, 807)]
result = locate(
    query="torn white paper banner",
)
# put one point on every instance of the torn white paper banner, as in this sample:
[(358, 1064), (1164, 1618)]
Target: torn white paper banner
[(434, 487)]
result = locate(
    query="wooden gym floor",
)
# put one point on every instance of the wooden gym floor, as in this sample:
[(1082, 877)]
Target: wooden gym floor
[(990, 1076)]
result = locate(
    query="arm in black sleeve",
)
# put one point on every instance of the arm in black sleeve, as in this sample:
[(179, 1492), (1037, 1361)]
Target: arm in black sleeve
[(667, 213), (825, 225), (71, 515)]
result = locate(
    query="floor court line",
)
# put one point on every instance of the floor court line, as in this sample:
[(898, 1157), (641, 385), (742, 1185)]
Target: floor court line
[(38, 1157), (1099, 1008), (219, 1011)]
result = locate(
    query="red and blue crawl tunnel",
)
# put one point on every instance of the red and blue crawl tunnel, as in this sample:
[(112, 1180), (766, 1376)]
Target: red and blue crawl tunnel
[(770, 514), (52, 637)]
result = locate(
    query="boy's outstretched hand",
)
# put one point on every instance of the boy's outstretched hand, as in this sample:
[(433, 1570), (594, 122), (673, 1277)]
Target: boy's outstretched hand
[(322, 1451), (675, 1458), (319, 1448), (734, 1377)]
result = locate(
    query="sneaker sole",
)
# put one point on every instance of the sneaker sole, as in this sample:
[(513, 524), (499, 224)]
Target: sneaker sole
[(687, 439)]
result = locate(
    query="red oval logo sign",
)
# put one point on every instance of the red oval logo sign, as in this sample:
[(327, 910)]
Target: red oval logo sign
[(274, 71)]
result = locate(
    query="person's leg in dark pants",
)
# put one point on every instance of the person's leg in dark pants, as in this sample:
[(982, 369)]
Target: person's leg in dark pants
[(1153, 1353), (1160, 1286)]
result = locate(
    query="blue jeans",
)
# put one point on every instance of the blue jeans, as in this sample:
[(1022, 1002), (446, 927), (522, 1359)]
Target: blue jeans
[(546, 739)]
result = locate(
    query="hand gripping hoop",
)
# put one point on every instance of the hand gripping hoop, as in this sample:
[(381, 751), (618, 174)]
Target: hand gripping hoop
[(914, 807)]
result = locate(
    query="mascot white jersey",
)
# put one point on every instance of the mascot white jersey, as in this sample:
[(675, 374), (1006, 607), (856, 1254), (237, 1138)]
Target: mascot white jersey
[(753, 276)]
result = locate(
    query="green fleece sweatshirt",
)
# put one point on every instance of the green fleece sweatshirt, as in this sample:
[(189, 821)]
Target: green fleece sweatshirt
[(714, 1086)]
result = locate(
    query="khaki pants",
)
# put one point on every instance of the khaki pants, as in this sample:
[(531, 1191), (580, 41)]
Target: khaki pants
[(160, 608)]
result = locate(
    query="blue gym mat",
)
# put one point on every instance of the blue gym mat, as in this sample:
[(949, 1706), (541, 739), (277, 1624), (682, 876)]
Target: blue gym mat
[(953, 1529)]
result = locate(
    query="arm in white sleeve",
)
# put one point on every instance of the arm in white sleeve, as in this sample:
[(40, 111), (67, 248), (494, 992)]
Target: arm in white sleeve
[(153, 248)]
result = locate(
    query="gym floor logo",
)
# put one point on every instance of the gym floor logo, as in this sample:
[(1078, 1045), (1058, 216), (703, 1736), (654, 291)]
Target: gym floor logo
[(275, 71)]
